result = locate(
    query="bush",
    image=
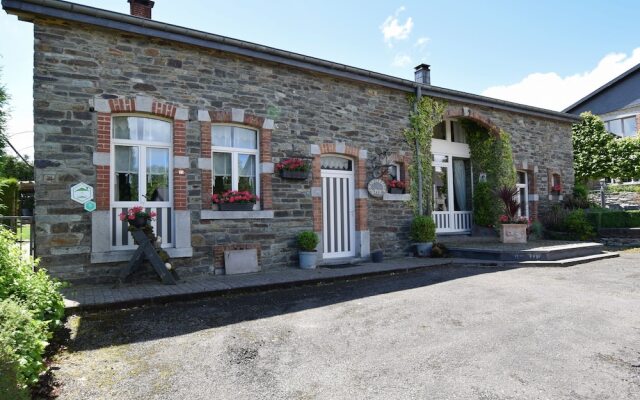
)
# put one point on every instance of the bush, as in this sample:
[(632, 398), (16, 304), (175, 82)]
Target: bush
[(308, 241), (536, 230), (9, 196), (423, 229), (484, 205), (22, 344), (578, 225), (614, 219), (555, 219), (36, 291)]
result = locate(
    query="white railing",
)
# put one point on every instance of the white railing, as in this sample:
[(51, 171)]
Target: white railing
[(452, 221)]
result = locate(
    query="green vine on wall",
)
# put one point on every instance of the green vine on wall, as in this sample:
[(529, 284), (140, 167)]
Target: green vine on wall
[(422, 119), (490, 155)]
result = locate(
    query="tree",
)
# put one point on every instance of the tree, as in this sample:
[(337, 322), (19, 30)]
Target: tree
[(4, 113), (626, 156), (13, 167), (593, 155)]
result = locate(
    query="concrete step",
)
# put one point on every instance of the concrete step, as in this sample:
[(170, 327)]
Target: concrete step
[(547, 253), (466, 262)]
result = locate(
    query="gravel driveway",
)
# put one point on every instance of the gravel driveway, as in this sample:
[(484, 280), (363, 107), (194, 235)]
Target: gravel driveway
[(446, 333)]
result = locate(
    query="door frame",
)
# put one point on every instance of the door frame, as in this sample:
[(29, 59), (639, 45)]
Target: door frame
[(351, 203)]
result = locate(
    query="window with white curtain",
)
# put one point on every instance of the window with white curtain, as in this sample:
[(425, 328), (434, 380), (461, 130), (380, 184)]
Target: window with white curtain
[(234, 154)]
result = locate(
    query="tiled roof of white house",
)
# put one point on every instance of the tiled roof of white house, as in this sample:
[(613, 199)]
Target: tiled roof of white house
[(25, 9)]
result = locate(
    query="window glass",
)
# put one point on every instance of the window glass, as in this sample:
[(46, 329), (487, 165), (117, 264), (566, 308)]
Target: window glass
[(221, 172), (440, 191), (615, 126), (244, 138), (247, 172), (629, 125), (440, 158), (336, 163), (126, 173), (146, 129), (440, 131), (522, 177), (222, 136), (157, 174), (393, 171), (458, 134)]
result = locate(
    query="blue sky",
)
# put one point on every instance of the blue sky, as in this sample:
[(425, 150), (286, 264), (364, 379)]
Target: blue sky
[(543, 53)]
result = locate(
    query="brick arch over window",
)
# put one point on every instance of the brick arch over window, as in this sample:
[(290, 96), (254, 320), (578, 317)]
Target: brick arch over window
[(360, 158), (106, 109), (264, 126), (473, 115)]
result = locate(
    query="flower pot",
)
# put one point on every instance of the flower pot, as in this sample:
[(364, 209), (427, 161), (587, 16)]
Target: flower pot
[(377, 256), (513, 233), (294, 174), (308, 259), (423, 249), (396, 191), (139, 222), (235, 206)]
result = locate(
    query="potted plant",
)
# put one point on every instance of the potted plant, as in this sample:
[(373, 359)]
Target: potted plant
[(423, 233), (137, 216), (307, 242), (377, 255), (235, 200), (293, 168), (396, 186), (513, 229)]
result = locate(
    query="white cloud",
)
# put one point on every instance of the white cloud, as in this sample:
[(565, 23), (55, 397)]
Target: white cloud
[(550, 90), (401, 60), (392, 29), (421, 43)]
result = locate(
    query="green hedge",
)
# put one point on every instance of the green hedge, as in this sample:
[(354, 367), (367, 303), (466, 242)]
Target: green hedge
[(614, 219), (8, 196), (31, 308)]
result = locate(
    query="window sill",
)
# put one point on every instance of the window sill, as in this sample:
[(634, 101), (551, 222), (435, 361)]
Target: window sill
[(125, 255), (210, 214), (396, 197)]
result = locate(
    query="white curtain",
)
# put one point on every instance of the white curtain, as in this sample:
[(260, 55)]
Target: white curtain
[(460, 184)]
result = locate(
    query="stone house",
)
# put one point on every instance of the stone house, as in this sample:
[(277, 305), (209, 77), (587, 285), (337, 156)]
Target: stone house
[(151, 113)]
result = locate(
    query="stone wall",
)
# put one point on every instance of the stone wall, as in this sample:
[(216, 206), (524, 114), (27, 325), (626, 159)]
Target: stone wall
[(76, 64), (618, 201)]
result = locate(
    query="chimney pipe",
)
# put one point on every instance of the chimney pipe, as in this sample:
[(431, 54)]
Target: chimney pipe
[(141, 8), (423, 74)]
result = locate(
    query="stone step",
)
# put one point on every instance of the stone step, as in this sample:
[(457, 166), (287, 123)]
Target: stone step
[(548, 253), (466, 262)]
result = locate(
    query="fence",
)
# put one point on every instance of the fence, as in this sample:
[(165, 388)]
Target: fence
[(24, 230)]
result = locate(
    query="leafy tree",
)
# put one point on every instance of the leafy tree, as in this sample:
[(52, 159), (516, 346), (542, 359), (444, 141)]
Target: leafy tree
[(626, 156), (592, 149), (4, 113), (13, 167)]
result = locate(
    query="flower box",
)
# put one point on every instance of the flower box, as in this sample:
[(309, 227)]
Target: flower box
[(513, 233), (236, 206), (396, 191), (287, 174)]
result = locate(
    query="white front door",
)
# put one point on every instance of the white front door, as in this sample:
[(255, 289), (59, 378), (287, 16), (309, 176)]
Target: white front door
[(338, 207)]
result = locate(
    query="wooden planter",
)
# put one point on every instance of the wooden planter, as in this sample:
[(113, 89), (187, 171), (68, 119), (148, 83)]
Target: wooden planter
[(236, 206), (300, 175), (513, 233)]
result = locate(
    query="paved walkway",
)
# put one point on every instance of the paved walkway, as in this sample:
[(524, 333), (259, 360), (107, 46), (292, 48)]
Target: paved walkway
[(109, 296)]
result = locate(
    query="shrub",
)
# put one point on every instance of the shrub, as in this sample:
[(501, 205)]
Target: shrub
[(308, 240), (536, 230), (22, 344), (484, 205), (614, 219), (423, 229), (578, 225), (554, 220), (35, 290), (9, 196)]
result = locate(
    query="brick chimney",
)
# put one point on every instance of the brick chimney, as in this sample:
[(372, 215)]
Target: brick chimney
[(141, 8), (423, 74)]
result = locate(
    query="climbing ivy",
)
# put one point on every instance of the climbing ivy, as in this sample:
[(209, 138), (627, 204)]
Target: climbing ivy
[(422, 119), (491, 155)]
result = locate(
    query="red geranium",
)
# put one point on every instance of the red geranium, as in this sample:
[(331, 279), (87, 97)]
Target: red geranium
[(137, 211), (292, 164), (396, 183), (234, 196)]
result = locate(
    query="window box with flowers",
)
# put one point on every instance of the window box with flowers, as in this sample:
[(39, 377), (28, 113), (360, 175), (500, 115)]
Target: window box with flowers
[(293, 168), (396, 186), (235, 200)]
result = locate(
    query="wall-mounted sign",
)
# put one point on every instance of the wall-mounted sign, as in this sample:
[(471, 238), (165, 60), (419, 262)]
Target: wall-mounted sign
[(482, 177), (81, 193), (377, 187), (90, 206)]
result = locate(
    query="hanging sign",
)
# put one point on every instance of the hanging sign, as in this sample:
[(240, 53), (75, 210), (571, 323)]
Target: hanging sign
[(81, 193), (377, 187)]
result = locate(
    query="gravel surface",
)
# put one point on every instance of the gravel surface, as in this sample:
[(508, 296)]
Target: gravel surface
[(445, 333)]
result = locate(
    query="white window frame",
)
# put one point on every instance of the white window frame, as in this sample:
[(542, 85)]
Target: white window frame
[(235, 151), (621, 117), (142, 164), (523, 186)]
